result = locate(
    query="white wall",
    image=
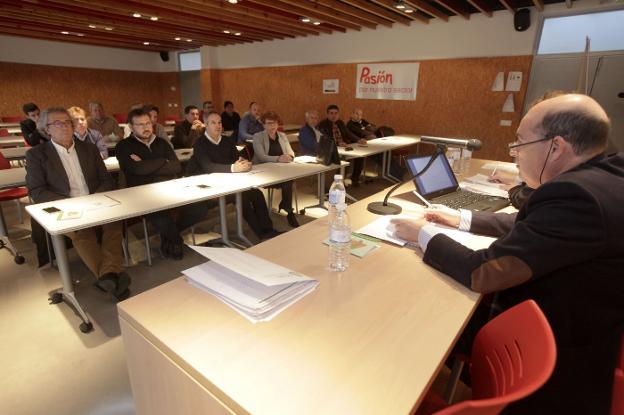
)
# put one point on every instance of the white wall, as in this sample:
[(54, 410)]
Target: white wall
[(480, 36), (44, 52)]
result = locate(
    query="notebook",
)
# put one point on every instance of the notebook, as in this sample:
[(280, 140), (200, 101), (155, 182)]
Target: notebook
[(439, 185)]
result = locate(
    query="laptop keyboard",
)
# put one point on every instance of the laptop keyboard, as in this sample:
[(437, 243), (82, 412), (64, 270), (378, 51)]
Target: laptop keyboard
[(461, 199)]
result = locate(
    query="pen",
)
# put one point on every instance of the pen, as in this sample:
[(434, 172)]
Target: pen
[(494, 171)]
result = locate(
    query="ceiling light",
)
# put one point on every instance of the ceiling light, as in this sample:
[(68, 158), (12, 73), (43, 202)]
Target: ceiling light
[(399, 4), (92, 26), (227, 32), (189, 40), (409, 11), (316, 23), (146, 43), (136, 15), (232, 1), (237, 34), (64, 33), (154, 18), (80, 34), (305, 19), (178, 38), (108, 28)]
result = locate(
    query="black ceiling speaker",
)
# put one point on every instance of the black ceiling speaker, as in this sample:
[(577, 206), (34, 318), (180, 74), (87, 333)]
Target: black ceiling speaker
[(164, 56), (522, 20)]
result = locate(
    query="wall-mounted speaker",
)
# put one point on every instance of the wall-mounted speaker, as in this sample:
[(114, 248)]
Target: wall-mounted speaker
[(164, 56), (522, 20)]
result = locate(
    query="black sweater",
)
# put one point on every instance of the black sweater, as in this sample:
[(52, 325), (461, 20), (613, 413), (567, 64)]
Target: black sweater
[(158, 162), (31, 134), (211, 158)]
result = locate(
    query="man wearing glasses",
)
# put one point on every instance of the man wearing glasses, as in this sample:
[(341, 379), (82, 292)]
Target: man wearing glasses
[(64, 167), (564, 249)]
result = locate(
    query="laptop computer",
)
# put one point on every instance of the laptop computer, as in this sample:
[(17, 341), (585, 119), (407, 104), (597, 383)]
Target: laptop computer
[(439, 185)]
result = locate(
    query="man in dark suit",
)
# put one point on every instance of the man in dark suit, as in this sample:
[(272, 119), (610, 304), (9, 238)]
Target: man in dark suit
[(29, 126), (334, 128), (186, 133), (564, 249), (63, 168)]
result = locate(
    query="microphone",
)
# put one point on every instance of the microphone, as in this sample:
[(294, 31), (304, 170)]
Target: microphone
[(471, 144), (385, 208)]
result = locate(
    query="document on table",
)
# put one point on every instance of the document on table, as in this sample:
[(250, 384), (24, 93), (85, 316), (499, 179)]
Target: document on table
[(380, 229), (479, 183), (305, 159), (256, 288), (72, 208)]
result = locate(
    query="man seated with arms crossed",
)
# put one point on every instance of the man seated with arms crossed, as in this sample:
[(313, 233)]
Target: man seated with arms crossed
[(107, 126), (82, 133), (214, 153), (64, 167), (145, 158), (564, 249), (366, 131), (334, 128), (250, 124), (29, 126), (309, 135), (186, 133), (230, 118), (272, 146)]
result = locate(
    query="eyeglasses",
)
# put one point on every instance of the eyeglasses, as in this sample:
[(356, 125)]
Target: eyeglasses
[(61, 124), (513, 147)]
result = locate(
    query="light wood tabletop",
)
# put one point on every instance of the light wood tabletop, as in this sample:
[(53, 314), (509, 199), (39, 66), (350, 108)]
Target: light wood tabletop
[(369, 340)]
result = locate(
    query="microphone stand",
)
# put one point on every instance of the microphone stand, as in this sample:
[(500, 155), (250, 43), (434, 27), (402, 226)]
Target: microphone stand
[(385, 208)]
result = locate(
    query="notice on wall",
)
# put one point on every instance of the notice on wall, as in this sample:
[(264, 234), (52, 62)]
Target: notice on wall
[(499, 82), (514, 81), (330, 86), (508, 106), (394, 81)]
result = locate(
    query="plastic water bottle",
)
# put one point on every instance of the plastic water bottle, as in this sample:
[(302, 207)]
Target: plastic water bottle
[(337, 194), (466, 156), (339, 239)]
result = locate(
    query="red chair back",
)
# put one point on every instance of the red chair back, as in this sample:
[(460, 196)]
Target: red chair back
[(512, 356), (4, 163), (121, 118), (4, 132), (617, 402), (14, 119)]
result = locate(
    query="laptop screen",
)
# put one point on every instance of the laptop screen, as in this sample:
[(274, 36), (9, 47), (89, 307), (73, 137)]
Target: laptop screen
[(437, 180)]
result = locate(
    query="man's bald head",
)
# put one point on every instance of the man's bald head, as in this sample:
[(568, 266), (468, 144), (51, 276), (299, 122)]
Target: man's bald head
[(579, 119)]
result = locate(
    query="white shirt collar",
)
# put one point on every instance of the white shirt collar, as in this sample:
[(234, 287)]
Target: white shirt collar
[(212, 140), (61, 148), (149, 143)]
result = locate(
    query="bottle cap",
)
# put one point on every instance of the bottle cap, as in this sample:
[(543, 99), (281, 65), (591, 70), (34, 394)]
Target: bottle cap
[(337, 176)]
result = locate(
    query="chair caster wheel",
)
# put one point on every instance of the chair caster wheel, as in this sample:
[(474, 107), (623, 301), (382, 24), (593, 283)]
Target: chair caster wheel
[(19, 259), (86, 327), (56, 298)]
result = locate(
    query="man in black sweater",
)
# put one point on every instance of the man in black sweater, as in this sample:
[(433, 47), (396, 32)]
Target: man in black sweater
[(214, 153), (564, 249), (145, 158), (186, 133), (29, 126)]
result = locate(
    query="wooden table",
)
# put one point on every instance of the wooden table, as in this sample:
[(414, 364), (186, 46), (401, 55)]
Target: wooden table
[(15, 153), (12, 141), (369, 340)]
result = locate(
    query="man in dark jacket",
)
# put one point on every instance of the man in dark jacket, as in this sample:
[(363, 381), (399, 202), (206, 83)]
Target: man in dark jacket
[(145, 158), (230, 118), (334, 128), (564, 249), (29, 126), (64, 168), (185, 133)]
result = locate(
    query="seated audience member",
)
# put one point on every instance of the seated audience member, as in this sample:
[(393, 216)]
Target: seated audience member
[(145, 158), (309, 135), (334, 128), (250, 124), (230, 118), (359, 126), (366, 131), (157, 129), (564, 249), (186, 133), (29, 126), (207, 107), (214, 153), (127, 130), (272, 146), (107, 126), (64, 168), (82, 133)]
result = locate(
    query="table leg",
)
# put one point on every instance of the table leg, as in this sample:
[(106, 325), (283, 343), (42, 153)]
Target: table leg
[(320, 194), (223, 218), (239, 219), (66, 293), (385, 167), (5, 242)]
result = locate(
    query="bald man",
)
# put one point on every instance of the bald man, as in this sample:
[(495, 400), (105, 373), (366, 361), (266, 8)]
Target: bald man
[(564, 249)]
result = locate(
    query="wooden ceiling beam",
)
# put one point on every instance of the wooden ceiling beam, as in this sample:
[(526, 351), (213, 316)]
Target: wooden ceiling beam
[(455, 7), (330, 12), (388, 5), (356, 11), (340, 25), (425, 7), (508, 5), (380, 10), (539, 5), (482, 7)]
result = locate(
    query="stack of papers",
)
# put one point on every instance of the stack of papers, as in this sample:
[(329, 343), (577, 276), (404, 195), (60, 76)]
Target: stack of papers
[(255, 288), (305, 159), (480, 183)]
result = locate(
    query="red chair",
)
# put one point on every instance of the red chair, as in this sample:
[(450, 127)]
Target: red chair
[(11, 194), (15, 119), (617, 402), (121, 118), (4, 132), (512, 356)]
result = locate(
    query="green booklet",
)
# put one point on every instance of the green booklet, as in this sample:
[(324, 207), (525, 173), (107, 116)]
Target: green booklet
[(361, 245)]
